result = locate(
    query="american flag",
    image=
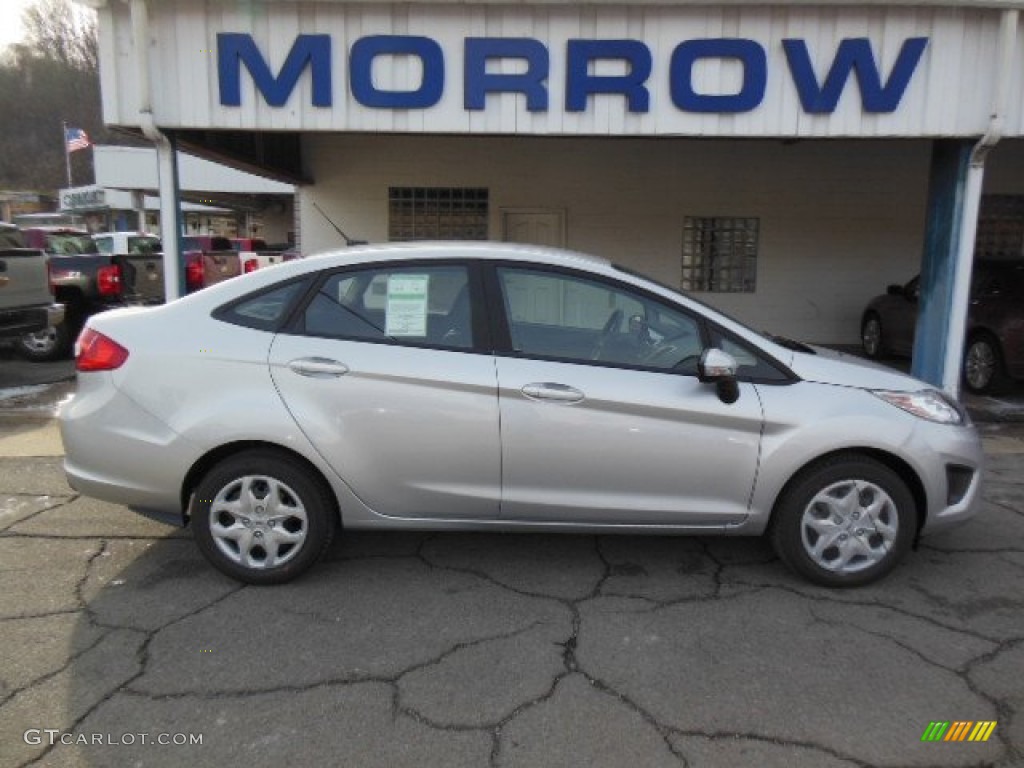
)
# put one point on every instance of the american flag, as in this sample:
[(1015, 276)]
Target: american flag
[(76, 139)]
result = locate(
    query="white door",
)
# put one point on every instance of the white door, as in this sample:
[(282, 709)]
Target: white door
[(534, 226)]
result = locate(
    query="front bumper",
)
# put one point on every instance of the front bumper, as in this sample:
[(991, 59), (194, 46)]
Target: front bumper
[(952, 479)]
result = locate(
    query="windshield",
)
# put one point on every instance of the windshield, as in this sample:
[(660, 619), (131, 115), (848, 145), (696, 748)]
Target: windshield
[(70, 245)]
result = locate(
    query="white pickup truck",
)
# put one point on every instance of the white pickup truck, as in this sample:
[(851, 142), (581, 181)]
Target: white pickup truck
[(26, 297)]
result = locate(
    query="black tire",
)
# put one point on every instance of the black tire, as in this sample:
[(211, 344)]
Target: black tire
[(871, 339), (983, 370), (260, 527), (52, 344), (803, 520)]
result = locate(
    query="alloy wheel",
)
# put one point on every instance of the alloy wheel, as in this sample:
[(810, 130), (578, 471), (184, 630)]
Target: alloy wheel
[(41, 342), (980, 364), (871, 336)]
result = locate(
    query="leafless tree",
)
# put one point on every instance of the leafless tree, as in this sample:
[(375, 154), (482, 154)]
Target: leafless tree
[(56, 30), (50, 77)]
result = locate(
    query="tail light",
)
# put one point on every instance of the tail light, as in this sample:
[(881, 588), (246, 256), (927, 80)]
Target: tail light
[(108, 280), (251, 265), (96, 352), (194, 273)]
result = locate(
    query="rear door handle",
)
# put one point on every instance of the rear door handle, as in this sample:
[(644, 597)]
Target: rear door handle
[(561, 393), (318, 367)]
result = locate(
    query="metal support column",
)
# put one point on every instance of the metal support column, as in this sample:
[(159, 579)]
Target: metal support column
[(945, 278), (170, 219)]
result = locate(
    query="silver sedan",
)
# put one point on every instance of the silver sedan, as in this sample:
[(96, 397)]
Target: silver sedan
[(454, 386)]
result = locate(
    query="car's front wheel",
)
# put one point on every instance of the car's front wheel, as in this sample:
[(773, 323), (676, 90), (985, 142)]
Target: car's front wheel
[(262, 517), (844, 522)]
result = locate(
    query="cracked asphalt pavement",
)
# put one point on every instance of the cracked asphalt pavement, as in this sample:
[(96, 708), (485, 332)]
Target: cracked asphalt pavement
[(498, 650)]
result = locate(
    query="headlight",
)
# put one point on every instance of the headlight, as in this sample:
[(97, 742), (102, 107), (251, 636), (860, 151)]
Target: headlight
[(929, 404)]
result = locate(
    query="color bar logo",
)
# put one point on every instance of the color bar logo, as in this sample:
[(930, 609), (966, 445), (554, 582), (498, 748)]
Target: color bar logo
[(959, 730)]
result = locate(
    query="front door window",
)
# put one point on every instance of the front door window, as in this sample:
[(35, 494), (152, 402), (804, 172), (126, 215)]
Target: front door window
[(559, 316)]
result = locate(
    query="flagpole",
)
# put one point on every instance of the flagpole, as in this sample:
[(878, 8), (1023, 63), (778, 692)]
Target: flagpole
[(67, 155)]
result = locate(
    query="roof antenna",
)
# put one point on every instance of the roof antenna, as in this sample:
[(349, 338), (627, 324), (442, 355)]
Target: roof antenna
[(348, 240)]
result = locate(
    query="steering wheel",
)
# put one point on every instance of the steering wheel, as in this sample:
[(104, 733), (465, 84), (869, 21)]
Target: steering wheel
[(668, 347), (609, 328)]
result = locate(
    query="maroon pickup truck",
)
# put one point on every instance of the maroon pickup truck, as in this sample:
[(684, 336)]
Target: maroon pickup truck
[(209, 259)]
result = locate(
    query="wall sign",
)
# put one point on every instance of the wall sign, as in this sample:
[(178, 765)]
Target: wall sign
[(819, 89)]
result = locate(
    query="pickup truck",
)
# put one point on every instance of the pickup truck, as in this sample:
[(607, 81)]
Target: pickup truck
[(209, 259), (140, 256), (254, 253), (26, 298), (84, 280)]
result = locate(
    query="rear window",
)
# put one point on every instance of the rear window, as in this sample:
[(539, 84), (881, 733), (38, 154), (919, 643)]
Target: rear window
[(11, 238), (143, 245), (200, 244), (70, 245), (264, 311)]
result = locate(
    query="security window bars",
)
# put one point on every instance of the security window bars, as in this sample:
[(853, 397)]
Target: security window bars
[(719, 254), (1000, 227), (437, 213)]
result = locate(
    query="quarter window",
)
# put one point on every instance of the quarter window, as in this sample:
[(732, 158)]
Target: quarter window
[(265, 310), (408, 305), (720, 254), (437, 213), (564, 317)]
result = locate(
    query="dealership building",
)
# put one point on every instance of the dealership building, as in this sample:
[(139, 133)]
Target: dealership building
[(783, 162)]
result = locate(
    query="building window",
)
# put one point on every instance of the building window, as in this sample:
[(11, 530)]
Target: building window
[(719, 254), (437, 213), (1000, 227)]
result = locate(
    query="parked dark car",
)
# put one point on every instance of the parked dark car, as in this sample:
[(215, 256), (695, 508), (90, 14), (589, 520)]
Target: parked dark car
[(994, 349)]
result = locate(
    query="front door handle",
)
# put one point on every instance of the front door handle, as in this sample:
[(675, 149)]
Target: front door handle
[(318, 367), (547, 390)]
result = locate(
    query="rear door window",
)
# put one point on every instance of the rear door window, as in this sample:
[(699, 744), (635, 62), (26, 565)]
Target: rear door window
[(420, 305)]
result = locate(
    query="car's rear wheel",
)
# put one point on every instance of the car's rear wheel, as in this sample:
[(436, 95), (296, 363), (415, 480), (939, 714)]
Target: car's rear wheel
[(54, 343), (983, 365), (871, 336), (844, 522), (262, 517)]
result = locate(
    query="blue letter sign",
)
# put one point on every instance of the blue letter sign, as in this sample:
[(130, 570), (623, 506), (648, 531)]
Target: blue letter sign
[(675, 82), (366, 49), (479, 82), (308, 50), (853, 54), (755, 75), (580, 83)]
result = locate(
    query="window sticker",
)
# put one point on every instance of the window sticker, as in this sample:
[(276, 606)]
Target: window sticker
[(406, 313)]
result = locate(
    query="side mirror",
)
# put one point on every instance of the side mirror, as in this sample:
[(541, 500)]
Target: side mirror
[(894, 290), (719, 368)]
